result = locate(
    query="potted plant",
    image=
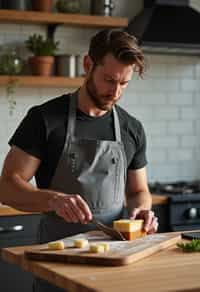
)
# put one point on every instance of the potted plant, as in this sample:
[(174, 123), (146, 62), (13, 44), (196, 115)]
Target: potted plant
[(43, 50), (42, 5)]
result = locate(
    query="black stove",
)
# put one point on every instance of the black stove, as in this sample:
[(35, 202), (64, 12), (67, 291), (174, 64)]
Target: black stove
[(184, 203), (173, 188)]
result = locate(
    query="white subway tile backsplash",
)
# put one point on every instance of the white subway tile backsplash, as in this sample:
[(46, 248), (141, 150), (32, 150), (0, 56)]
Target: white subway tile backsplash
[(163, 142), (152, 98), (156, 85), (50, 93), (157, 155), (9, 28), (164, 171), (162, 59), (196, 155), (180, 98), (156, 128), (190, 85), (197, 98), (156, 70), (167, 113), (180, 71), (32, 28), (180, 127), (190, 169), (190, 141), (197, 127), (190, 113), (197, 70), (180, 154), (141, 113)]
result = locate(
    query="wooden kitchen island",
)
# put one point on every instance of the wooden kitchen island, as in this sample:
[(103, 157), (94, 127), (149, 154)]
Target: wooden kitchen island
[(168, 270)]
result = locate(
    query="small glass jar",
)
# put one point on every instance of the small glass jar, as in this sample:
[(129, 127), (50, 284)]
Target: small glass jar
[(10, 62)]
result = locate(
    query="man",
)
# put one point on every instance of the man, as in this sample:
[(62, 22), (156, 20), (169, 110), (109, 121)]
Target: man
[(85, 151)]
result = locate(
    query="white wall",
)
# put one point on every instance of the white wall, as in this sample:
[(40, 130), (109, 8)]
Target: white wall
[(166, 101)]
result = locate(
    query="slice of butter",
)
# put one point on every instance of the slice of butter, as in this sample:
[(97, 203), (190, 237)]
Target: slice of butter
[(56, 245), (80, 242), (127, 225), (97, 248)]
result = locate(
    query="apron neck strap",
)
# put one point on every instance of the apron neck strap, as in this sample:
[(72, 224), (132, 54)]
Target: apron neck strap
[(73, 102), (116, 125)]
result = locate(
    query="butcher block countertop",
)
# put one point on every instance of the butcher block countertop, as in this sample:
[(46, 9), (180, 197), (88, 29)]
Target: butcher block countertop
[(8, 211), (167, 270)]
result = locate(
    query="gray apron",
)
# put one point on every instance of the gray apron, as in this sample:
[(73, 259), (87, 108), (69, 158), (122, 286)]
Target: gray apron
[(94, 169)]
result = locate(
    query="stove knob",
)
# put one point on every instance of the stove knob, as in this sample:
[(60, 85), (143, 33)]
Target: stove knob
[(192, 213)]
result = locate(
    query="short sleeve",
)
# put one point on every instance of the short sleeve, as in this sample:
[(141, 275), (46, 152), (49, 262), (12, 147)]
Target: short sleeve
[(139, 159), (30, 136)]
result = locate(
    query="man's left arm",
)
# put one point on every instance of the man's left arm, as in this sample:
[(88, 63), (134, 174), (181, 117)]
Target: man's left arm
[(139, 199)]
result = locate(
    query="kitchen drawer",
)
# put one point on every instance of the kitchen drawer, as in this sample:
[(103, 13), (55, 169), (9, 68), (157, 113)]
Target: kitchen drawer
[(13, 279), (18, 227), (15, 231)]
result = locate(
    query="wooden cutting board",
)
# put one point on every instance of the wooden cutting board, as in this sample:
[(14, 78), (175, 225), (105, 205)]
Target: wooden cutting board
[(120, 253)]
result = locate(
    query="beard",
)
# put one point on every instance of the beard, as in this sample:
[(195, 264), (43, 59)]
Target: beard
[(102, 102)]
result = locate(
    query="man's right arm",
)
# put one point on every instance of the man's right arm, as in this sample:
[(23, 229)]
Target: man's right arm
[(17, 192), (15, 189)]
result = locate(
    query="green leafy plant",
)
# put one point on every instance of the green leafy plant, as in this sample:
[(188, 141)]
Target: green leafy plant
[(192, 246), (40, 46)]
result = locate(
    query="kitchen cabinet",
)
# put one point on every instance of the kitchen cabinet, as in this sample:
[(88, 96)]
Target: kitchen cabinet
[(52, 20), (162, 212), (15, 231)]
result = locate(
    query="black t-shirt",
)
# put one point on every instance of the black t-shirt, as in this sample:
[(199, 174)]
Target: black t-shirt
[(42, 134)]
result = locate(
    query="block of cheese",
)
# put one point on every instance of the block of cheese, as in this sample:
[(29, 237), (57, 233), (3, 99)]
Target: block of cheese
[(130, 229), (105, 245), (97, 248), (56, 245), (80, 242)]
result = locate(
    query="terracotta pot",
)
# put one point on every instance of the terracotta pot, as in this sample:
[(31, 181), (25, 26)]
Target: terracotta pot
[(41, 65), (42, 5)]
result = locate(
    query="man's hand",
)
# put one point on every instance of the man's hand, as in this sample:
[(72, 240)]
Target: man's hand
[(150, 220), (73, 208)]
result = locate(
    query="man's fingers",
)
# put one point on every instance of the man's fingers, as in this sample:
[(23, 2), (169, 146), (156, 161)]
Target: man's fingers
[(62, 212), (84, 207), (150, 220), (148, 217), (71, 207), (78, 213), (154, 226)]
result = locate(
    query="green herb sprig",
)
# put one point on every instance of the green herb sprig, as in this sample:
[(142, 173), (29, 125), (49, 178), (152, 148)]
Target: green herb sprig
[(193, 246)]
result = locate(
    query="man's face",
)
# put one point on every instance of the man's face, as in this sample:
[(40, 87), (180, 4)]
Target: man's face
[(106, 82)]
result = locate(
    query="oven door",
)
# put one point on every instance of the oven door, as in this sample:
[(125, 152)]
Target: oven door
[(184, 212)]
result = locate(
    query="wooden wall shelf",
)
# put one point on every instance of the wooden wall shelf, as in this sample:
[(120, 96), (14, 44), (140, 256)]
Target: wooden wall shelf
[(78, 20), (40, 81), (54, 18)]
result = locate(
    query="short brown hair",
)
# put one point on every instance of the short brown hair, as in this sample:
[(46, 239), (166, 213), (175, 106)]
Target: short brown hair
[(121, 45)]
